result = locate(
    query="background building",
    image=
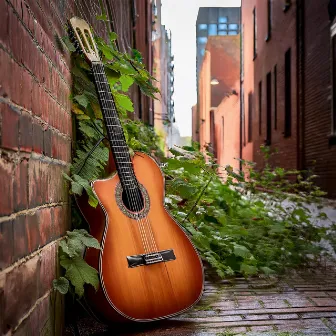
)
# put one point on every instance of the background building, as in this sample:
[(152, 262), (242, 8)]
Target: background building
[(212, 21), (288, 84), (163, 71), (219, 107)]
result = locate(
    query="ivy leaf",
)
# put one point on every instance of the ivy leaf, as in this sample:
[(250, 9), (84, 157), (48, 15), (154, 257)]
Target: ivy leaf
[(61, 284), (76, 188), (126, 81), (267, 270), (82, 100), (85, 238), (124, 102), (248, 269), (113, 36), (102, 17), (241, 251), (80, 273)]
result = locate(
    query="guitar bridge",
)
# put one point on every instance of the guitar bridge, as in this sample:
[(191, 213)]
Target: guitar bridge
[(150, 258)]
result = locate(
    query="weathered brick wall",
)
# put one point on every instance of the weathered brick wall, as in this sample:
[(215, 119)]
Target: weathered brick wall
[(318, 155), (35, 148)]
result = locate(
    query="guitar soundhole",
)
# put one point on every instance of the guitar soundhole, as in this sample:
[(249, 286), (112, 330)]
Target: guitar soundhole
[(134, 204), (133, 200)]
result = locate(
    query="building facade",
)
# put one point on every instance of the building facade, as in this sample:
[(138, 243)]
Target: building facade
[(163, 71), (288, 86), (219, 100), (212, 21)]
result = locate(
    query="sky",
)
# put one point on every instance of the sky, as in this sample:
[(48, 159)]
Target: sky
[(180, 17)]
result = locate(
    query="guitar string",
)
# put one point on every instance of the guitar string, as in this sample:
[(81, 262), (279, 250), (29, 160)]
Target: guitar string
[(137, 195), (143, 229), (132, 191), (143, 238)]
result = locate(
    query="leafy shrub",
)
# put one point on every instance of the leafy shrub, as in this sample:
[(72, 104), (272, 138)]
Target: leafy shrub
[(237, 226)]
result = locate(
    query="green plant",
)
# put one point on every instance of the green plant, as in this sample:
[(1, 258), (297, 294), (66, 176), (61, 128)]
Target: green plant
[(77, 271), (238, 227)]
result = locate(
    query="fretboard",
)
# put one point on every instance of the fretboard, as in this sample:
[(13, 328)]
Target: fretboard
[(114, 129)]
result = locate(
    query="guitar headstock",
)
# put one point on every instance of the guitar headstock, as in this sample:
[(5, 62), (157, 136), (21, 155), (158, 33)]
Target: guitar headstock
[(83, 39)]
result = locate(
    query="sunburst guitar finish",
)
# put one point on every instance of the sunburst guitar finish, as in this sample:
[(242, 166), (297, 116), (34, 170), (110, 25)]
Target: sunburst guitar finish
[(148, 292)]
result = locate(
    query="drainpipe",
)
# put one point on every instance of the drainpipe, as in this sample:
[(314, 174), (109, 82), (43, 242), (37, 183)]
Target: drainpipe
[(300, 87), (241, 96)]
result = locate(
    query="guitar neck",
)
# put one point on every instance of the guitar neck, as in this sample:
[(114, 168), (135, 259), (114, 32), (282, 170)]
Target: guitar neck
[(114, 129)]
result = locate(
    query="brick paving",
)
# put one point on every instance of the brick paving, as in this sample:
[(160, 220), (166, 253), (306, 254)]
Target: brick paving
[(298, 304)]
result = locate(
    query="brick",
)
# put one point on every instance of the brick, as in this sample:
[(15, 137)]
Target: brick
[(20, 241), (6, 243), (45, 225), (38, 174), (21, 288), (33, 231), (47, 142), (26, 132), (6, 186), (20, 186), (324, 302), (37, 137), (9, 127)]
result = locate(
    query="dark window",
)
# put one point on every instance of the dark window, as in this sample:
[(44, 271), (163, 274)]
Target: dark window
[(333, 50), (288, 96), (212, 133), (269, 19), (275, 98), (269, 109), (249, 130), (254, 33), (260, 106)]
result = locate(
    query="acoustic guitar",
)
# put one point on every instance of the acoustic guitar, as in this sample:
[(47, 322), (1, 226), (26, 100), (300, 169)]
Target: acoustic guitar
[(148, 267)]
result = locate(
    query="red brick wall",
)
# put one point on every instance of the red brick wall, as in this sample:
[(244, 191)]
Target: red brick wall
[(269, 54), (35, 148), (317, 102)]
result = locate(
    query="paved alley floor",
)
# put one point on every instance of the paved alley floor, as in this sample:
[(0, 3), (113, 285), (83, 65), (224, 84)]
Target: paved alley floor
[(299, 304)]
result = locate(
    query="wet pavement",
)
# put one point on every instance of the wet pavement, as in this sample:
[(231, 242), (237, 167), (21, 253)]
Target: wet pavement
[(302, 303)]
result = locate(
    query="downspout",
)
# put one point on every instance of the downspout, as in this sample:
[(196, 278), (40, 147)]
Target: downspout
[(241, 96), (300, 89)]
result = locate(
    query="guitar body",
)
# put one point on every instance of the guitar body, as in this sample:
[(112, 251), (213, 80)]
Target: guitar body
[(147, 292)]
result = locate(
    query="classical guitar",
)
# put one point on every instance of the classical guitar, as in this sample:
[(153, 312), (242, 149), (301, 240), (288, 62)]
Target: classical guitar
[(148, 267)]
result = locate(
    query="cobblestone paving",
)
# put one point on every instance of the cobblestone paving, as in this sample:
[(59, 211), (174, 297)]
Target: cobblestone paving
[(300, 304)]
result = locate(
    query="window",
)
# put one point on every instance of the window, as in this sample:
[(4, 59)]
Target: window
[(260, 106), (233, 32), (269, 109), (254, 33), (275, 97), (233, 26), (333, 79), (222, 26), (288, 98), (212, 29), (269, 20), (287, 5), (222, 19), (249, 130), (222, 33), (202, 40), (202, 26), (202, 52)]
